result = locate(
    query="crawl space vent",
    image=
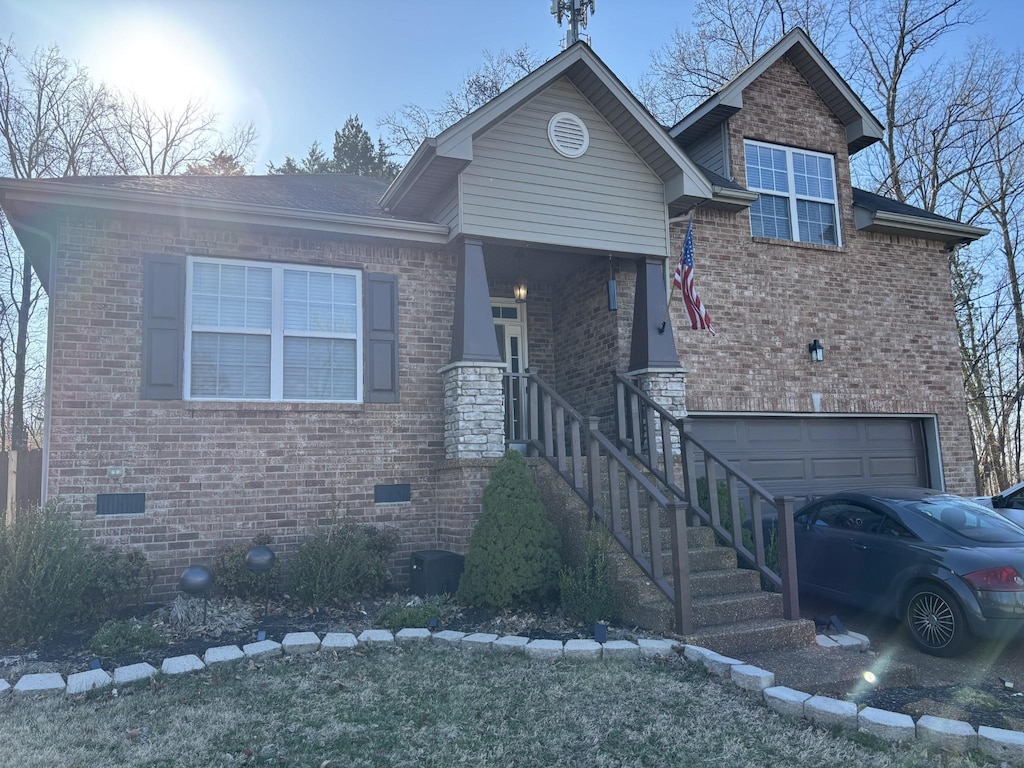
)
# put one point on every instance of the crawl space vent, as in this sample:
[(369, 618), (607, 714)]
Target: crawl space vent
[(568, 135)]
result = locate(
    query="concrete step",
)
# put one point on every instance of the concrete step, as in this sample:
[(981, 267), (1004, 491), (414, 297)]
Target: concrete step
[(710, 559), (724, 582), (736, 608), (755, 635)]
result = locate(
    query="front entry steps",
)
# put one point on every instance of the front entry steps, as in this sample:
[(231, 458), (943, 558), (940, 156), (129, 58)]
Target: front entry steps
[(731, 613)]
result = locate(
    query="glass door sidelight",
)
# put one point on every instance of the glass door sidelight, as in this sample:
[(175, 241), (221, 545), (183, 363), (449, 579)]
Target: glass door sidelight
[(510, 331)]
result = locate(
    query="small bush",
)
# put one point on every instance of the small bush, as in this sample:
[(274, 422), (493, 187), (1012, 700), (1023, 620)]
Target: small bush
[(587, 595), (235, 580), (119, 637), (513, 554), (413, 614), (45, 567), (341, 563), (118, 578)]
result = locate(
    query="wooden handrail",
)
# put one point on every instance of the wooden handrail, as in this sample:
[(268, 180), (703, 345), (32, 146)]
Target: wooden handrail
[(614, 488), (638, 416)]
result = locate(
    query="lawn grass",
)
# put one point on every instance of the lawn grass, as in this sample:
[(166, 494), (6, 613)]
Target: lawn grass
[(400, 706)]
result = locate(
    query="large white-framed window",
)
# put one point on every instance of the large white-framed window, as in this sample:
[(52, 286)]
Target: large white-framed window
[(272, 331), (795, 185)]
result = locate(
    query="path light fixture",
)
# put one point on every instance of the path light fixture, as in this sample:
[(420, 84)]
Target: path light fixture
[(816, 351), (261, 560), (197, 581)]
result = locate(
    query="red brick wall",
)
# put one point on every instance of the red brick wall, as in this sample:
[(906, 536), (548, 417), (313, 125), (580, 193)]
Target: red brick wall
[(880, 305), (217, 473)]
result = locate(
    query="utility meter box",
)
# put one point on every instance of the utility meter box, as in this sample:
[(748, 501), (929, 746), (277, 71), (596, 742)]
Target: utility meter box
[(435, 572)]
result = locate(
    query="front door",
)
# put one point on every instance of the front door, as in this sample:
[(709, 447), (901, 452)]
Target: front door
[(510, 330)]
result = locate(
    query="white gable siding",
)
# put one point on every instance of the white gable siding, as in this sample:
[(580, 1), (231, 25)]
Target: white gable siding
[(518, 187)]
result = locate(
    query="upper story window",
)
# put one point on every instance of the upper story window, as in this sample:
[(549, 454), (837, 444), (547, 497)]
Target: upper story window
[(258, 331), (795, 186)]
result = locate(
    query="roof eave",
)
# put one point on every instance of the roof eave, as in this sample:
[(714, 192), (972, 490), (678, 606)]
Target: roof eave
[(39, 193), (952, 233), (732, 199), (411, 171)]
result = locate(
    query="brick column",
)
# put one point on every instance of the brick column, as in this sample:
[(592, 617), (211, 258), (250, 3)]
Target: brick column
[(474, 410)]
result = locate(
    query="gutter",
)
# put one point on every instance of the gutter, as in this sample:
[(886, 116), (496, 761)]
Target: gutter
[(951, 231)]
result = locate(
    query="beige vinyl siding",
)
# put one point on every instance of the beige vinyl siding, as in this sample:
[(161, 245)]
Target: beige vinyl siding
[(518, 187), (447, 211)]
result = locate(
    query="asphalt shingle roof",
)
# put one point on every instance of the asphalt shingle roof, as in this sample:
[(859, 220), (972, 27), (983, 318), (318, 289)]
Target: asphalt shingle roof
[(325, 192), (877, 203)]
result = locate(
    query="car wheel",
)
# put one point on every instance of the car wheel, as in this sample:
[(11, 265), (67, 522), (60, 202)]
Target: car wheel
[(935, 621)]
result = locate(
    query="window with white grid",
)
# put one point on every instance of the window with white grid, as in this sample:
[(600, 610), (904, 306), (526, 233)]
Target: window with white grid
[(273, 332), (794, 186)]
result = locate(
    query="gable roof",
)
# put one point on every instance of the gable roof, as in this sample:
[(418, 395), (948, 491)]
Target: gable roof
[(438, 161), (862, 128)]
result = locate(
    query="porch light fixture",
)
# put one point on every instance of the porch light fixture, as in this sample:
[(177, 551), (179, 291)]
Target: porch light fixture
[(519, 289), (816, 351)]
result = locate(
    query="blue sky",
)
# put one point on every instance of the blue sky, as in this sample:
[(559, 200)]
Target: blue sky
[(299, 68)]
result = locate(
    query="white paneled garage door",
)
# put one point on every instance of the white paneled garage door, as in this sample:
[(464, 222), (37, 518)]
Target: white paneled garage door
[(812, 456)]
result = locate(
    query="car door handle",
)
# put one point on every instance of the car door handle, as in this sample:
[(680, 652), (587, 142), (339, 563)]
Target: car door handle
[(855, 545)]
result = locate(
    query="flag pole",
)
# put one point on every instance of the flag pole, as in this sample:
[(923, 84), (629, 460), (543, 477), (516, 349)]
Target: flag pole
[(672, 290)]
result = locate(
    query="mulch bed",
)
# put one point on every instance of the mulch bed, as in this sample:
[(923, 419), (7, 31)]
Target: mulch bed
[(232, 622)]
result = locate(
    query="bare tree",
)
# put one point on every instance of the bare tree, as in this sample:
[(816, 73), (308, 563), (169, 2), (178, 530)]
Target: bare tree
[(726, 36), (411, 124)]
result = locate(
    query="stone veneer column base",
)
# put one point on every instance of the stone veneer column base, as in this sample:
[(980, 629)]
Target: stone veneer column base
[(666, 387), (474, 410)]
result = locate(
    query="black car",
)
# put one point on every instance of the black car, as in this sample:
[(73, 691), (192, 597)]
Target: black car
[(1008, 503), (945, 566)]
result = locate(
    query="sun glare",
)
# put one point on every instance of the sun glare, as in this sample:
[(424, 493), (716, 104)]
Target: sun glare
[(161, 60)]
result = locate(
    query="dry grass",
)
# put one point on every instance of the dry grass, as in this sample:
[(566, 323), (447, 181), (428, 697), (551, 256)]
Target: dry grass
[(389, 706)]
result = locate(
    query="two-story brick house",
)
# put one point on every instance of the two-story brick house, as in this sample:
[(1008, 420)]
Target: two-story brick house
[(244, 355)]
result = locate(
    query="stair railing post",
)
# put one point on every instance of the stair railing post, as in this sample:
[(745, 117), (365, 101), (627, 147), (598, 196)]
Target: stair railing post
[(594, 467), (787, 558), (683, 597)]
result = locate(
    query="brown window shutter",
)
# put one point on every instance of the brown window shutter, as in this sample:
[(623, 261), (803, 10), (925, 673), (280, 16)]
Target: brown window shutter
[(381, 338), (163, 327)]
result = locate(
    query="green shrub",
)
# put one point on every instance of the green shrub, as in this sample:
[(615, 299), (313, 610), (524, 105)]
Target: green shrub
[(724, 508), (119, 637), (414, 614), (45, 567), (117, 578), (235, 580), (587, 595), (513, 553), (340, 563)]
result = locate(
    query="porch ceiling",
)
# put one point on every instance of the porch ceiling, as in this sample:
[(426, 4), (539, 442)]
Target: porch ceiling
[(540, 265)]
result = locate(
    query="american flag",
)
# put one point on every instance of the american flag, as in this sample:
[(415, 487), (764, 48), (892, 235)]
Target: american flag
[(684, 282)]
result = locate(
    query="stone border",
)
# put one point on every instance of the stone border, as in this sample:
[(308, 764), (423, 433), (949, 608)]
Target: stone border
[(888, 726)]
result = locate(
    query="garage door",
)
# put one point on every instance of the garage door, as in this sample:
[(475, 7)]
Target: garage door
[(813, 456)]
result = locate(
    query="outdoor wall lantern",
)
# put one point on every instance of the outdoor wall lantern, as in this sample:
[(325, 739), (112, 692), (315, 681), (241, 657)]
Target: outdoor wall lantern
[(816, 351), (519, 289)]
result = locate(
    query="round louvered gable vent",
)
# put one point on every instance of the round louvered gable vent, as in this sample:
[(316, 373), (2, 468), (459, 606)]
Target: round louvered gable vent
[(568, 135)]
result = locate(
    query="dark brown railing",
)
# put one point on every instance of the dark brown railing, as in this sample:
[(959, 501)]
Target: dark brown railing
[(638, 515), (693, 473)]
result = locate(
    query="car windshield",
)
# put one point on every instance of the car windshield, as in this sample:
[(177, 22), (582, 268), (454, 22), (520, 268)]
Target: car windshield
[(966, 518)]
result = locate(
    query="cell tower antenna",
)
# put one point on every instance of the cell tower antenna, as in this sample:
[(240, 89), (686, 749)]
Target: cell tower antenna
[(575, 12)]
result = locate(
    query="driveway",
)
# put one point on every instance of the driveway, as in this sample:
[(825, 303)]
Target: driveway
[(896, 676)]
